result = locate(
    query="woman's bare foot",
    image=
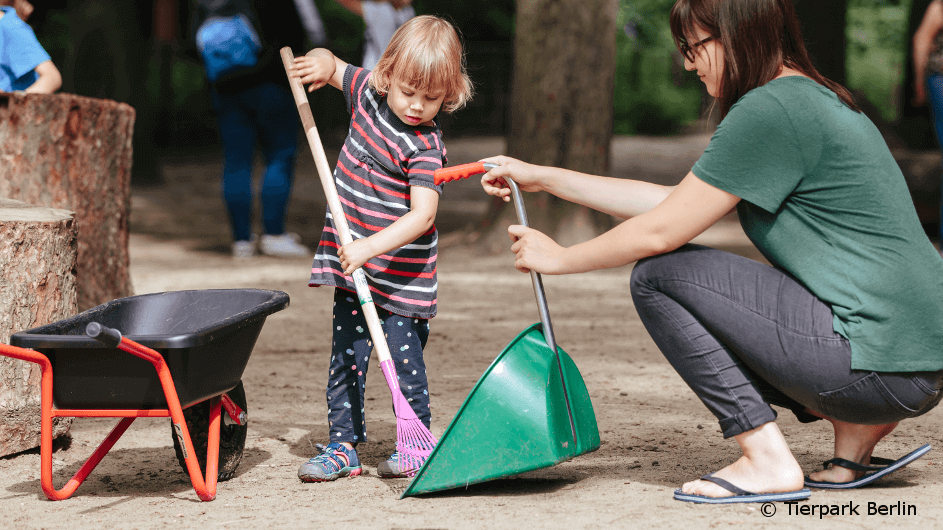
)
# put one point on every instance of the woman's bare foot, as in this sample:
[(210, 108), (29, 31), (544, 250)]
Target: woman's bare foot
[(853, 442), (767, 466)]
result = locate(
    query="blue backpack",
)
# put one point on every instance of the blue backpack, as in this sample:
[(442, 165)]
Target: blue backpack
[(227, 44)]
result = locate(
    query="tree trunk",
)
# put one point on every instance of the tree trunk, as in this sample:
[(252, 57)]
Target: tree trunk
[(561, 115), (72, 152), (108, 58), (37, 271), (823, 29)]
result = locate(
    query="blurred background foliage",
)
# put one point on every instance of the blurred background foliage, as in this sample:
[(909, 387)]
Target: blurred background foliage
[(653, 93), (877, 52)]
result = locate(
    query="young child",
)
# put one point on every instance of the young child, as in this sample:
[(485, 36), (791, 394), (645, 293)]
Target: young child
[(384, 177), (24, 64)]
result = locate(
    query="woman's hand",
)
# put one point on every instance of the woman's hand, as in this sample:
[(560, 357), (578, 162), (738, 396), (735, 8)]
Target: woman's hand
[(315, 68), (525, 175), (354, 254), (535, 251)]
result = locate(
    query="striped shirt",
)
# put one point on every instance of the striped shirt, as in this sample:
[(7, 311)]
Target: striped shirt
[(381, 158)]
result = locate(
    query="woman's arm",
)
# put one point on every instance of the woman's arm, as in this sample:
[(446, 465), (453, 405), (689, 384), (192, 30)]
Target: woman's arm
[(632, 197), (319, 67), (688, 210), (49, 79), (417, 221), (929, 27)]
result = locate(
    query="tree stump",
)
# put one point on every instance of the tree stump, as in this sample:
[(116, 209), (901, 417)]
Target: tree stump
[(37, 287), (72, 152)]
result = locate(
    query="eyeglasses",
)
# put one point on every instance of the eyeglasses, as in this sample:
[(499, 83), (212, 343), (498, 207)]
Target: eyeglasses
[(688, 49)]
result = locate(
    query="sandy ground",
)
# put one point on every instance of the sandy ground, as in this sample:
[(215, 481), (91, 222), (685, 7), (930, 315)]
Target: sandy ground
[(655, 433)]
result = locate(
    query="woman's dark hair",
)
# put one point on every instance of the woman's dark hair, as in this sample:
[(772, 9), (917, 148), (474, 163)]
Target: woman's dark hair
[(758, 37)]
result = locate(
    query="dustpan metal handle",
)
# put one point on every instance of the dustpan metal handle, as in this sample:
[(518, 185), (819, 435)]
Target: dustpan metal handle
[(534, 276), (542, 306)]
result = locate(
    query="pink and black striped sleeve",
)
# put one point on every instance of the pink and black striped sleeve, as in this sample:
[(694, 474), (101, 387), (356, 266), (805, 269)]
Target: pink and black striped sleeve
[(355, 82), (420, 170)]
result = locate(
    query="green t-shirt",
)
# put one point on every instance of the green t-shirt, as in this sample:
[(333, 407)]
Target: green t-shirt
[(824, 200)]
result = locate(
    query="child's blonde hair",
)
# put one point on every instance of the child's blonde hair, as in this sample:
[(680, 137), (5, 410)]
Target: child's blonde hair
[(426, 52)]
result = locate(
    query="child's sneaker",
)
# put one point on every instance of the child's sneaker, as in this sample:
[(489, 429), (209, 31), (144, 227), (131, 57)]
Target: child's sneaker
[(390, 468), (335, 461), (286, 245)]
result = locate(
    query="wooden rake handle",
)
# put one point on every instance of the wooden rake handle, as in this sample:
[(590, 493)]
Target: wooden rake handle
[(334, 204)]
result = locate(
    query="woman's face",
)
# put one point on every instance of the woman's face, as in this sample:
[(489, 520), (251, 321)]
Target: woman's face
[(708, 61)]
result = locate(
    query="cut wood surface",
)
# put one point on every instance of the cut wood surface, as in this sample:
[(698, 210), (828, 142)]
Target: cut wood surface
[(37, 286)]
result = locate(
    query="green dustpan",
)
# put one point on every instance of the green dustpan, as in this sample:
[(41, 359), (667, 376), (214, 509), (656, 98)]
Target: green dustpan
[(530, 410)]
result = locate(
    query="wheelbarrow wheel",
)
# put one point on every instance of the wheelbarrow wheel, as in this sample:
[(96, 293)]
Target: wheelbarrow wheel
[(232, 438)]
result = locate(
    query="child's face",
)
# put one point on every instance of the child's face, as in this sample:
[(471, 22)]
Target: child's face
[(413, 106)]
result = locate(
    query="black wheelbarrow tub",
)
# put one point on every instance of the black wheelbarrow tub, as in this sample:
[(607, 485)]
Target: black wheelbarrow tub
[(205, 336)]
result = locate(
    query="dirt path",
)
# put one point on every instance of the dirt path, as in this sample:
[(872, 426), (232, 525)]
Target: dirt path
[(655, 434)]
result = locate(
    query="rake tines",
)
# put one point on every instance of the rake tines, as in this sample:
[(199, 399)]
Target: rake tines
[(414, 442)]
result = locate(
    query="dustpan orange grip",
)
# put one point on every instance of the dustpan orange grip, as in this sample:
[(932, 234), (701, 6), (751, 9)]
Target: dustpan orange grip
[(462, 171)]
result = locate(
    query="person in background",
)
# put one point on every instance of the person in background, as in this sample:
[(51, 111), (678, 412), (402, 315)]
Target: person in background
[(381, 19), (24, 64), (254, 107), (928, 73), (312, 22)]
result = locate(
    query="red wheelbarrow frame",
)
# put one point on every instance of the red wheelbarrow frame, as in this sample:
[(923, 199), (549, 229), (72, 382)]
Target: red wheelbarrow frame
[(205, 487)]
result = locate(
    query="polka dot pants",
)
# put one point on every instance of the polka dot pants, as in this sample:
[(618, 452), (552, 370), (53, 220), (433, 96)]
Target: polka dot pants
[(350, 356)]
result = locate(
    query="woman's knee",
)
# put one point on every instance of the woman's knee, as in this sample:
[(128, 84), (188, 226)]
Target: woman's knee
[(640, 275), (648, 272)]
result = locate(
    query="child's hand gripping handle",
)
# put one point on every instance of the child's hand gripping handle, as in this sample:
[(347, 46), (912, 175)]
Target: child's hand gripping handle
[(463, 171), (334, 203)]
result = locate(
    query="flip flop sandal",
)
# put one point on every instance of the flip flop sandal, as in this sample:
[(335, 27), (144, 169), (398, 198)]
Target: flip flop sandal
[(883, 468), (741, 495)]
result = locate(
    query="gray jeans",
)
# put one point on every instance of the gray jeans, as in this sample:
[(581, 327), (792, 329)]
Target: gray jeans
[(744, 336)]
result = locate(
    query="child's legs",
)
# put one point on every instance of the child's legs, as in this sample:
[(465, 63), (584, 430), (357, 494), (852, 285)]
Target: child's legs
[(238, 135), (278, 125), (350, 355), (406, 338)]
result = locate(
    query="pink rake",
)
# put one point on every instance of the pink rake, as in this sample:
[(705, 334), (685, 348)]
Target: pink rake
[(414, 442)]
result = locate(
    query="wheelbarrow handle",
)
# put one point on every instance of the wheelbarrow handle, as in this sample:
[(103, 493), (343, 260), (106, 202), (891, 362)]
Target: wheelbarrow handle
[(108, 336), (205, 486), (462, 171)]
